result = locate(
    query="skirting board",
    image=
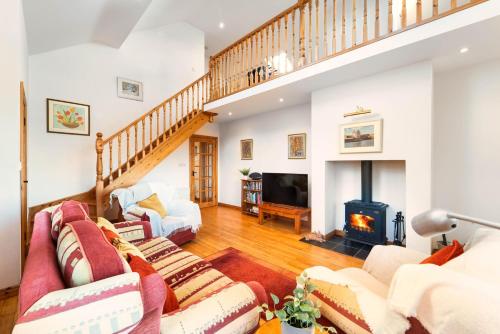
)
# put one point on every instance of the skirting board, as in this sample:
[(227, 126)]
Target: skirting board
[(9, 292), (229, 206)]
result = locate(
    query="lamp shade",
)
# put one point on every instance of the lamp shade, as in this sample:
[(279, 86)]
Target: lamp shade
[(433, 222)]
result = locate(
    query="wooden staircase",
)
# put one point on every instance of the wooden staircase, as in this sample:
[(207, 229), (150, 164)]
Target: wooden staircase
[(128, 155)]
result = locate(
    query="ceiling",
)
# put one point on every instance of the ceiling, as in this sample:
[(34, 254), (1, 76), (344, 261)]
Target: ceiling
[(239, 16), (55, 24)]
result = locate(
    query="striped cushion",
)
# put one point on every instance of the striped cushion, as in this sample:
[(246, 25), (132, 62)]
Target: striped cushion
[(109, 306), (67, 212), (200, 285), (85, 255), (156, 248), (232, 309), (134, 231)]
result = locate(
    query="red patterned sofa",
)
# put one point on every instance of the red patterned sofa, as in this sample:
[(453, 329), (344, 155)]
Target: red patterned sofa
[(208, 300)]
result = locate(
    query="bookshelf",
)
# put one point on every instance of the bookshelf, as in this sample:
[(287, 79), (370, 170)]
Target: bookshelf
[(251, 196)]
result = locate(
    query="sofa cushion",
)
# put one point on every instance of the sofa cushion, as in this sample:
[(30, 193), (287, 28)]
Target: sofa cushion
[(153, 203), (85, 255), (68, 211), (156, 248), (177, 267), (124, 247), (134, 230)]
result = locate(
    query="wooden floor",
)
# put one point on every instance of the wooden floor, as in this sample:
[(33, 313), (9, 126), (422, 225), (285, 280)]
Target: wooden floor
[(274, 242)]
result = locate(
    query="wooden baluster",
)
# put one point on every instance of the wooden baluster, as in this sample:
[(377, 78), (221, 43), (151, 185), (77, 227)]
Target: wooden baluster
[(419, 11), (164, 107), (176, 112), (110, 160), (365, 21), (302, 36), (128, 147), (150, 132), (252, 78), (265, 58), (286, 43), (182, 108), (262, 58), (403, 14), (278, 35), (316, 49), (99, 187), (242, 65), (453, 4), (310, 32), (188, 109), (157, 112), (119, 154), (334, 24), (354, 19), (390, 24), (377, 18), (171, 125), (435, 8), (143, 122), (344, 26), (195, 103), (325, 21), (293, 40), (136, 157), (272, 47)]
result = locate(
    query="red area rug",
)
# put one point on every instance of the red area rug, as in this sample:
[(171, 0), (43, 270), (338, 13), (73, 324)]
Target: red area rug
[(242, 267)]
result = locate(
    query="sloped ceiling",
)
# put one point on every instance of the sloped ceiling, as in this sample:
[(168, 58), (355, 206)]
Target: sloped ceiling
[(55, 24)]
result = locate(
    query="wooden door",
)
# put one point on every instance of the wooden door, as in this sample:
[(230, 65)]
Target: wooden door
[(203, 164), (23, 157)]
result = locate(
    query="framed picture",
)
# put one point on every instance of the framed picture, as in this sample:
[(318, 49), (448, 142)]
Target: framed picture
[(297, 146), (68, 117), (364, 137), (130, 89), (246, 148)]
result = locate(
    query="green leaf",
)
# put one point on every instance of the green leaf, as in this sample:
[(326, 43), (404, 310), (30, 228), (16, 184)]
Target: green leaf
[(301, 281), (269, 315), (275, 298), (281, 314), (306, 307), (298, 293)]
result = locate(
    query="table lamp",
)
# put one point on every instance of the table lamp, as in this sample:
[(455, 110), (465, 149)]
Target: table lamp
[(438, 221)]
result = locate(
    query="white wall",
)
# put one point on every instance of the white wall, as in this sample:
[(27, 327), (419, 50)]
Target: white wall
[(269, 132), (403, 98), (164, 59), (466, 165), (13, 69)]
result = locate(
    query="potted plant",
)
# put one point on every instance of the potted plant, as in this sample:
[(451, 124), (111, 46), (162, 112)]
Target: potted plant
[(245, 172), (299, 313)]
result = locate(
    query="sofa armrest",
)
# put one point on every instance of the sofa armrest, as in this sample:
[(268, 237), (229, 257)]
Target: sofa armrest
[(106, 306), (383, 261), (133, 231), (232, 309)]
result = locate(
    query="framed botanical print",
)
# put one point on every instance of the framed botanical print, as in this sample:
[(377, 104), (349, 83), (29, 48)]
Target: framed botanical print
[(246, 149), (68, 117), (130, 89), (363, 137), (297, 146)]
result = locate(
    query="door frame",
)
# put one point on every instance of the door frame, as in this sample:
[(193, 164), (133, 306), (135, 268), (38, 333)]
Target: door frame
[(215, 189), (23, 173)]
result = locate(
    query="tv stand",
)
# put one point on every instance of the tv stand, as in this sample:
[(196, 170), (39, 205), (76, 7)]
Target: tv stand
[(294, 212)]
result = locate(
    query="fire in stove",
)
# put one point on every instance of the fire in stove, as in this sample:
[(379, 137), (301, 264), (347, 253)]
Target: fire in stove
[(362, 223)]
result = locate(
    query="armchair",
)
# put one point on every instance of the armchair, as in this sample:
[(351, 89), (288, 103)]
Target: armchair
[(183, 216)]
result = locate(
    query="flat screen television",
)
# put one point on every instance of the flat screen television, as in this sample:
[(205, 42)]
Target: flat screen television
[(288, 189)]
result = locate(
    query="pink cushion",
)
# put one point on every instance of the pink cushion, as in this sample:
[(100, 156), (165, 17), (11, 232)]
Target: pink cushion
[(85, 255), (67, 212)]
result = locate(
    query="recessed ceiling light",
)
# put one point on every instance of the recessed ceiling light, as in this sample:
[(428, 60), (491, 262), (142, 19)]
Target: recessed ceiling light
[(230, 113), (221, 25), (464, 50), (281, 99)]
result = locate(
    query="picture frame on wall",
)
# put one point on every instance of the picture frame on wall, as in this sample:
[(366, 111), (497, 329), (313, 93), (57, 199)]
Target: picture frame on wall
[(68, 117), (246, 149), (130, 89), (297, 146), (361, 137)]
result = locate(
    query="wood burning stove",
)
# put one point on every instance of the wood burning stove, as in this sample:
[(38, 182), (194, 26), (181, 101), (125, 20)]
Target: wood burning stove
[(364, 219)]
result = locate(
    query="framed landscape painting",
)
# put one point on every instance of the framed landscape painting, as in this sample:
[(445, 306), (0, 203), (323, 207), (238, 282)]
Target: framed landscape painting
[(246, 148), (68, 117), (297, 146), (363, 137), (130, 89)]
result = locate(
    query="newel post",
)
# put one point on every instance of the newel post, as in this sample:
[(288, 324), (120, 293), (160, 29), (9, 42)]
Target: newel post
[(99, 186)]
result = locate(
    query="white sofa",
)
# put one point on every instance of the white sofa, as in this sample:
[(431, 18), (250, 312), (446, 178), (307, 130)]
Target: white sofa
[(393, 293), (183, 218)]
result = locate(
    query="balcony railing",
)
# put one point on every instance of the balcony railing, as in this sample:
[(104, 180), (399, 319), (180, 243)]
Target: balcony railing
[(312, 31)]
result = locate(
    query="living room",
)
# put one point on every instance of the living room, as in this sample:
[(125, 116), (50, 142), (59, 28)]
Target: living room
[(210, 163)]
